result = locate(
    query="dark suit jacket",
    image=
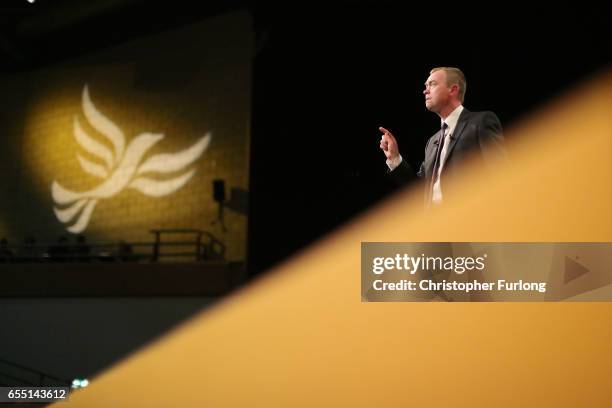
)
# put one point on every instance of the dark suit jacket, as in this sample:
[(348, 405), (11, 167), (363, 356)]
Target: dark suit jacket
[(475, 131)]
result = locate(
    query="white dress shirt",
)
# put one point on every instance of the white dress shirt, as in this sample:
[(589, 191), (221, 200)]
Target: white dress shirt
[(451, 121)]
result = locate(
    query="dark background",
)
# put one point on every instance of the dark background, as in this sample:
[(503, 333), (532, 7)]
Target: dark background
[(325, 76)]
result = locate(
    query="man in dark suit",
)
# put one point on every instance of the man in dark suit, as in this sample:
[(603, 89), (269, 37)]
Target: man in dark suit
[(462, 134)]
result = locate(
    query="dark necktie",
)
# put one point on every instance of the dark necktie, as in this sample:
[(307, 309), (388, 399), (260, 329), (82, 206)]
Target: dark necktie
[(438, 160)]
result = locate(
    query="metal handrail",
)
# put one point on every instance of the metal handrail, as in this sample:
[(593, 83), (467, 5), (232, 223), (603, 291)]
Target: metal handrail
[(213, 241), (105, 251), (40, 374)]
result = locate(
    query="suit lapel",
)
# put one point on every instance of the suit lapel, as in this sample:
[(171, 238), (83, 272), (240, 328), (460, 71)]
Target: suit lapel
[(430, 155), (461, 124)]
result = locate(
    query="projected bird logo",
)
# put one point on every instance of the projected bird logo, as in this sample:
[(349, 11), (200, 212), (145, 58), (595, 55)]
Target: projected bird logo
[(119, 168)]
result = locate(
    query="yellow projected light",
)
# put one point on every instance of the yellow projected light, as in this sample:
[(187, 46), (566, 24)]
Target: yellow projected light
[(123, 167), (301, 337), (87, 158)]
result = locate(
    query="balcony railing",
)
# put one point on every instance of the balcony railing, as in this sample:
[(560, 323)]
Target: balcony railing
[(168, 245)]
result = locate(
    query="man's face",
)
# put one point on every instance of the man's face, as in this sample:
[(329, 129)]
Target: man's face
[(437, 94)]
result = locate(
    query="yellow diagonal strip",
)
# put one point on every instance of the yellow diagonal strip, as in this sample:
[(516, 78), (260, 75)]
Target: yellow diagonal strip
[(300, 337)]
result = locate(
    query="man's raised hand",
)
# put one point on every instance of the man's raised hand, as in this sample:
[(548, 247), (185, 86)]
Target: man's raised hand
[(388, 144)]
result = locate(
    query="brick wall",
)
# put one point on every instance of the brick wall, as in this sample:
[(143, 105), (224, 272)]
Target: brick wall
[(183, 84)]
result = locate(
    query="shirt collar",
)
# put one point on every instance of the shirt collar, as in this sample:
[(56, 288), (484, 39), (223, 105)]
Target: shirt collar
[(452, 119)]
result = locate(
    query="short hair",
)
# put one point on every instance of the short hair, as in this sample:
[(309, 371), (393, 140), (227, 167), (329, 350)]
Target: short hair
[(453, 76)]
